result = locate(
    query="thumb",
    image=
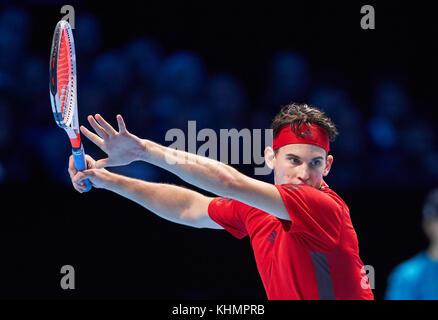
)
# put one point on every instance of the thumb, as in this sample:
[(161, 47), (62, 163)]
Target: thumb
[(82, 175), (102, 163), (91, 164)]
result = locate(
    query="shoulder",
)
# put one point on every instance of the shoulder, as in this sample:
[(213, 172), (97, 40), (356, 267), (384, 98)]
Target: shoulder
[(302, 200), (311, 196), (228, 202), (229, 206), (411, 269)]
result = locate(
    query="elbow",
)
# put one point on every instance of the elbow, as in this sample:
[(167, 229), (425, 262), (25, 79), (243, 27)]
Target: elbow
[(231, 185), (188, 218), (227, 180)]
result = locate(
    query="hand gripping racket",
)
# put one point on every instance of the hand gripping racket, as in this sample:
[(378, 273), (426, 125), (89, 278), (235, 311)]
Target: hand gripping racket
[(63, 91)]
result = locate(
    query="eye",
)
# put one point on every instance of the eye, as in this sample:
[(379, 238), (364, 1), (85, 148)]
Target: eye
[(316, 163), (294, 160)]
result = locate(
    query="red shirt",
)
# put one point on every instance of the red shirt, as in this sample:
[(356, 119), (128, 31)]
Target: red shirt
[(313, 256)]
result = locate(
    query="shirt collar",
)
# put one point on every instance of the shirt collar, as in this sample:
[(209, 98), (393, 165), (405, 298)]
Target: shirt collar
[(323, 185)]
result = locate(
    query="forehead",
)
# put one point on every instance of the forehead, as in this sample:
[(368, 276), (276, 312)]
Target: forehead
[(302, 150)]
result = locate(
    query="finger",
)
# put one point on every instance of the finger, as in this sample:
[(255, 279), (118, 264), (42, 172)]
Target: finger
[(91, 164), (79, 188), (108, 128), (71, 164), (77, 179), (121, 123), (71, 167), (72, 172), (99, 130), (98, 141), (82, 175)]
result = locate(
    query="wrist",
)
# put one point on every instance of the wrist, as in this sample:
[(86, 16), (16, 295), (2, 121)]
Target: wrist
[(147, 149), (110, 181)]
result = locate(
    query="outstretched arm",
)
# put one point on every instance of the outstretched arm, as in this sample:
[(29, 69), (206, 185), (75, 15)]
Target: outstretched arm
[(123, 147), (170, 202), (216, 177)]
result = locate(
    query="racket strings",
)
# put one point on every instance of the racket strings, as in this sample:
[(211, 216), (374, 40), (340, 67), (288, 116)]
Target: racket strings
[(65, 77)]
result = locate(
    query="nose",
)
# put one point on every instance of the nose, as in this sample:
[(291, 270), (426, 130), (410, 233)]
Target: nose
[(303, 173)]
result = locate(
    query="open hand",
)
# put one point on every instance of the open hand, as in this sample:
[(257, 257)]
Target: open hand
[(121, 146)]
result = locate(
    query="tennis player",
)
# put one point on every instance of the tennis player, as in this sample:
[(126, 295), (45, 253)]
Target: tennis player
[(417, 277), (304, 243)]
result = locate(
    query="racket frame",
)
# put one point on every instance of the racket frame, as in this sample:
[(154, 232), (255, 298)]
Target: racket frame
[(71, 126)]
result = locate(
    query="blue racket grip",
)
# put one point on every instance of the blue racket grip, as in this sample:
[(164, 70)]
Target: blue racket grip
[(81, 164)]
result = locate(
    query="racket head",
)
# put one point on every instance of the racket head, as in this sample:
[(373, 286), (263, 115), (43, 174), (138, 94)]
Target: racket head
[(62, 84)]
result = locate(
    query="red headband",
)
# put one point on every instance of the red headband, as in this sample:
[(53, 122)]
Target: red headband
[(312, 134)]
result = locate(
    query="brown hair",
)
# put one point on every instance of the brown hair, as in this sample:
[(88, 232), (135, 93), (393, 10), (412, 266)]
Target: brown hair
[(303, 114)]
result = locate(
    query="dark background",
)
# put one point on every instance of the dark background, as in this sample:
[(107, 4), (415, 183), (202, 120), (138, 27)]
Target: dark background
[(378, 85)]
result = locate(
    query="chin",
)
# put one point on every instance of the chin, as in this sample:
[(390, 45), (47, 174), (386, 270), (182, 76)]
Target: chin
[(294, 182), (306, 183)]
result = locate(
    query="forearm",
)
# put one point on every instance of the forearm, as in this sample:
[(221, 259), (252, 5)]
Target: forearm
[(216, 177), (170, 202), (207, 174)]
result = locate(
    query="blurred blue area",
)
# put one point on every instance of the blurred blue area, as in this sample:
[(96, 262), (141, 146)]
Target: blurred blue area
[(349, 148), (182, 74), (32, 85), (88, 36), (227, 98), (164, 109), (382, 132), (417, 137), (429, 162), (5, 124), (53, 150), (144, 58), (390, 101), (348, 119), (110, 74), (391, 113), (14, 21), (288, 78), (13, 45), (157, 90)]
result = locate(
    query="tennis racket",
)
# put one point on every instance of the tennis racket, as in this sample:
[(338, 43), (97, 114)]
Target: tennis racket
[(63, 89)]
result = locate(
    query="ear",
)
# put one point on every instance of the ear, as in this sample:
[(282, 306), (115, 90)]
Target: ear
[(328, 165), (270, 157)]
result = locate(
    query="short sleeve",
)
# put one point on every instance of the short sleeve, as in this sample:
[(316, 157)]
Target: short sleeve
[(313, 213), (402, 283), (230, 214)]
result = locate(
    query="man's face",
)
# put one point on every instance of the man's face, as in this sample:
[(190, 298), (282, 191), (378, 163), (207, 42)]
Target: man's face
[(430, 226), (299, 163)]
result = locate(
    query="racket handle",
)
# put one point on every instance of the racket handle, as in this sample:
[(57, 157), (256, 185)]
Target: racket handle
[(81, 164)]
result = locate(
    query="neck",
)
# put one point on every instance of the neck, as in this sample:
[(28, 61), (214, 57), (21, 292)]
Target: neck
[(320, 184)]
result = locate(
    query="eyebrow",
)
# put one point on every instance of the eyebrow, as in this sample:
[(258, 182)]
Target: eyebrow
[(295, 156)]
